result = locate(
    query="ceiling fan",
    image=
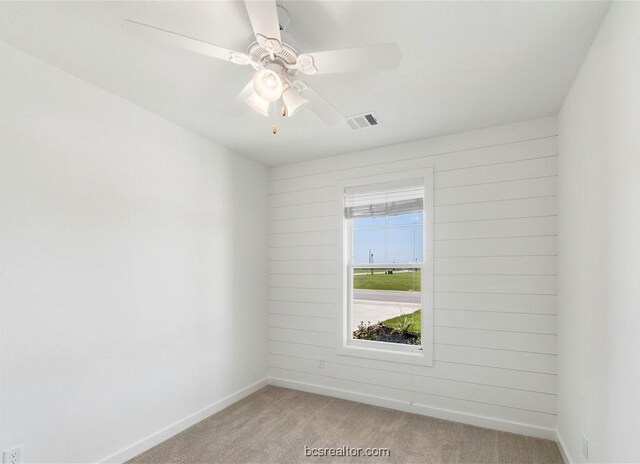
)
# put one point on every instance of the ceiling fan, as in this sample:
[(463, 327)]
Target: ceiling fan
[(278, 65)]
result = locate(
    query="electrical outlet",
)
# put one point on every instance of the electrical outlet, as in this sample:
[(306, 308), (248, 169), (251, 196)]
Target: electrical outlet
[(321, 363), (12, 456), (585, 448)]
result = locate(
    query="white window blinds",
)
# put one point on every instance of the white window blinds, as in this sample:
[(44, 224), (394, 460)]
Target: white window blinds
[(384, 199)]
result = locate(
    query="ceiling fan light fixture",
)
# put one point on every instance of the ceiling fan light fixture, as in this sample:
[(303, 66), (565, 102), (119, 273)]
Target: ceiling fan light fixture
[(277, 64), (258, 104), (268, 84), (293, 101)]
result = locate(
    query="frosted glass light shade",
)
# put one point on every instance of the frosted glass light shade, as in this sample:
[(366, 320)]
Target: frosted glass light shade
[(293, 101), (258, 103), (268, 85)]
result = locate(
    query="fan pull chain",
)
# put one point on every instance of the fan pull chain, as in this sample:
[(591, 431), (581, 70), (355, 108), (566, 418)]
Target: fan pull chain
[(274, 127)]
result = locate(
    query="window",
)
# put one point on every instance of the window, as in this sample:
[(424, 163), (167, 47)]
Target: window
[(387, 264)]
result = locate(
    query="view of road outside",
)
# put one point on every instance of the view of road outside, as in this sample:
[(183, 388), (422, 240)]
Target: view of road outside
[(386, 301), (380, 294)]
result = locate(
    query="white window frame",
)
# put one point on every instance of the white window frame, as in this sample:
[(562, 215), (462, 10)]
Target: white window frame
[(385, 351)]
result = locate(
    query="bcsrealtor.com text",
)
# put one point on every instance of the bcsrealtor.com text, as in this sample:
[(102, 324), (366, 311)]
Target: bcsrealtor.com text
[(346, 451)]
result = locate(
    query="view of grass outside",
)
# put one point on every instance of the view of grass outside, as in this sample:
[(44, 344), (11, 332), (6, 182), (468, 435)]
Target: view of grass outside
[(386, 305), (404, 280), (413, 320)]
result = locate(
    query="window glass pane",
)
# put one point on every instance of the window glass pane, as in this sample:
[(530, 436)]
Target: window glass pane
[(388, 239), (386, 305), (368, 222), (407, 218), (368, 246), (404, 244)]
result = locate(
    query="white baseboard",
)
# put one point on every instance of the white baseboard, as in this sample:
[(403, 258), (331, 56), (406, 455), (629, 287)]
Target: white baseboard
[(446, 414), (563, 449), (177, 427)]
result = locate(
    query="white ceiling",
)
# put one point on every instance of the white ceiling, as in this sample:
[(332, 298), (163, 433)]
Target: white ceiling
[(465, 65)]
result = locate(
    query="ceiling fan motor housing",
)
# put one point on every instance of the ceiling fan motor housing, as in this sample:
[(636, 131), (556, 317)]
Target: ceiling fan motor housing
[(287, 55)]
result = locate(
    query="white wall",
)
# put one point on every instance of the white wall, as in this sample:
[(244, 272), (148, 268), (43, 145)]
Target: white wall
[(599, 284), (495, 283), (133, 268)]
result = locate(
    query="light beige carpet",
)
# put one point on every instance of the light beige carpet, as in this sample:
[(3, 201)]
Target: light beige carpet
[(275, 424)]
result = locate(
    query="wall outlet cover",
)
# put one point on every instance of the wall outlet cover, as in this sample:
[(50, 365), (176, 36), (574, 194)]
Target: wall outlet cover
[(12, 456)]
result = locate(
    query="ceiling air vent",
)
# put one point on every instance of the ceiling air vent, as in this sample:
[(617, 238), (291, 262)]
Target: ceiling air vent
[(362, 120)]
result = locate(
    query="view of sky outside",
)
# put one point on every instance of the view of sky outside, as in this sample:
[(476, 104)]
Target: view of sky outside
[(391, 239)]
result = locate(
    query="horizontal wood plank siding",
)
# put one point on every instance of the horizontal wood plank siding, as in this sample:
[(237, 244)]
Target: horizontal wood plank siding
[(495, 274)]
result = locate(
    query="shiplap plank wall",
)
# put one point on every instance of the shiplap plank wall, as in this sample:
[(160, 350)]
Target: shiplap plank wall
[(495, 274)]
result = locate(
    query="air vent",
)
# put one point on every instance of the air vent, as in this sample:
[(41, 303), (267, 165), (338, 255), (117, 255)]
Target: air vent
[(362, 120)]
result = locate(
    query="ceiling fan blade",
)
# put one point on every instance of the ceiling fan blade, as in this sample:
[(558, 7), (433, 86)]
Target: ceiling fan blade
[(349, 60), (321, 107), (264, 21), (183, 42)]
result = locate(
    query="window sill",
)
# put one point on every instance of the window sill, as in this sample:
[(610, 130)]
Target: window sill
[(391, 352)]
